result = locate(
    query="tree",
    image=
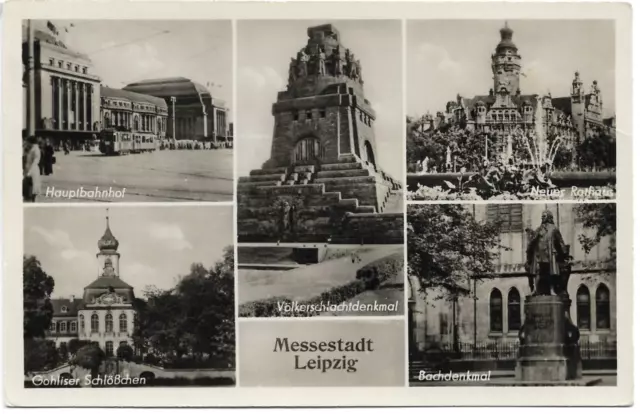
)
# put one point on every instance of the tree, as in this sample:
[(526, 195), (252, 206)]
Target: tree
[(37, 287), (40, 355), (90, 357), (447, 247), (193, 320), (467, 146), (75, 344), (64, 352), (125, 352), (597, 151), (600, 220)]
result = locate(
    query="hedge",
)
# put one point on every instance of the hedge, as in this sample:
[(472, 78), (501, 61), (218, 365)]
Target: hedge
[(368, 277)]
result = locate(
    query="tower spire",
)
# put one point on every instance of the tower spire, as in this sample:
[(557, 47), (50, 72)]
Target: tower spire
[(107, 217)]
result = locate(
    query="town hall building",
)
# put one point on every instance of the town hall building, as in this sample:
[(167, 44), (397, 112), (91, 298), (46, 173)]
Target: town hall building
[(507, 109), (105, 313)]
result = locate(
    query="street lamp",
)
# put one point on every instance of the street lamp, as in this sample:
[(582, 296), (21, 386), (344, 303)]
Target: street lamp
[(173, 122)]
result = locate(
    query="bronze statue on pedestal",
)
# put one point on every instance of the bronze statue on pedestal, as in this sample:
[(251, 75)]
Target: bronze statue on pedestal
[(547, 259)]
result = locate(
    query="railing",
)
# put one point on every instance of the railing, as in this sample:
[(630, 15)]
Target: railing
[(501, 351)]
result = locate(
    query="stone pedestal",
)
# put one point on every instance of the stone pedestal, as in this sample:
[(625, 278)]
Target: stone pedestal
[(549, 350)]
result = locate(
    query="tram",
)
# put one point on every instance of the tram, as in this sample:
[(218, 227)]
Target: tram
[(114, 142)]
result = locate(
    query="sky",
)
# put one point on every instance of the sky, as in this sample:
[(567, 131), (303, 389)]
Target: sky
[(157, 244), (265, 49), (446, 57), (126, 51)]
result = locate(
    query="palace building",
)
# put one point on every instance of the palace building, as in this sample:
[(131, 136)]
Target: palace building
[(507, 109), (105, 314), (198, 115), (493, 310)]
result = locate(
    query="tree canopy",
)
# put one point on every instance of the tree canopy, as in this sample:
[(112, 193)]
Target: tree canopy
[(467, 146), (447, 247), (600, 218), (194, 320), (37, 287)]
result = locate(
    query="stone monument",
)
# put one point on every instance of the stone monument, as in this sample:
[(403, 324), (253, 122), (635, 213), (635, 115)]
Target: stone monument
[(321, 181), (549, 350)]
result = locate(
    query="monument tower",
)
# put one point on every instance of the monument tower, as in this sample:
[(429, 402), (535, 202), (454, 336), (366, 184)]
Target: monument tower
[(322, 167)]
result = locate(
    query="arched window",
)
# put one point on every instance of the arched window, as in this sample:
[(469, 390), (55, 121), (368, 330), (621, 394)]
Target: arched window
[(584, 307), (495, 311), (63, 327), (108, 348), (73, 326), (603, 308), (53, 327), (123, 322), (81, 323), (94, 323), (513, 310), (107, 120), (108, 323), (136, 123)]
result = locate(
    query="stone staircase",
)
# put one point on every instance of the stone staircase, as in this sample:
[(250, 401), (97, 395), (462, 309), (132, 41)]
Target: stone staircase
[(345, 198), (347, 176)]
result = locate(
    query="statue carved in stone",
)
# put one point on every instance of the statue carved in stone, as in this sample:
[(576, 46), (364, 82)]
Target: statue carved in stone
[(292, 71), (321, 63), (303, 60), (338, 62), (351, 65), (358, 70), (548, 260)]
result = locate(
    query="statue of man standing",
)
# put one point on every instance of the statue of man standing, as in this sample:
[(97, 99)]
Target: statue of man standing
[(546, 255)]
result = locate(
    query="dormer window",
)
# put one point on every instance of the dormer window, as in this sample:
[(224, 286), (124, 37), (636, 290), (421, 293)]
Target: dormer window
[(60, 64), (295, 116), (52, 61), (77, 68), (323, 113), (69, 66), (84, 70), (64, 309)]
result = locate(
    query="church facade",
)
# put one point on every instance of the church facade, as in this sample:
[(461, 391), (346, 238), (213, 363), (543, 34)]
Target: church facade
[(105, 313), (492, 311), (507, 109)]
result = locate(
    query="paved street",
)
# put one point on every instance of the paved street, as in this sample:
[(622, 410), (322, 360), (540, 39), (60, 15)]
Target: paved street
[(169, 175)]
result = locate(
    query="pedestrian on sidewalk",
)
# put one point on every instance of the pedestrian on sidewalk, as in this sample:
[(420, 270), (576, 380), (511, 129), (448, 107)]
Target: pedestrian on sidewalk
[(31, 171)]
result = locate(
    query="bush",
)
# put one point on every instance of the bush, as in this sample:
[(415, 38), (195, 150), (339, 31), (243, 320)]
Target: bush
[(89, 357), (125, 352), (368, 277)]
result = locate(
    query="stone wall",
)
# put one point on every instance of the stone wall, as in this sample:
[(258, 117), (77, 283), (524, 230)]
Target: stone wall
[(334, 117), (370, 228)]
